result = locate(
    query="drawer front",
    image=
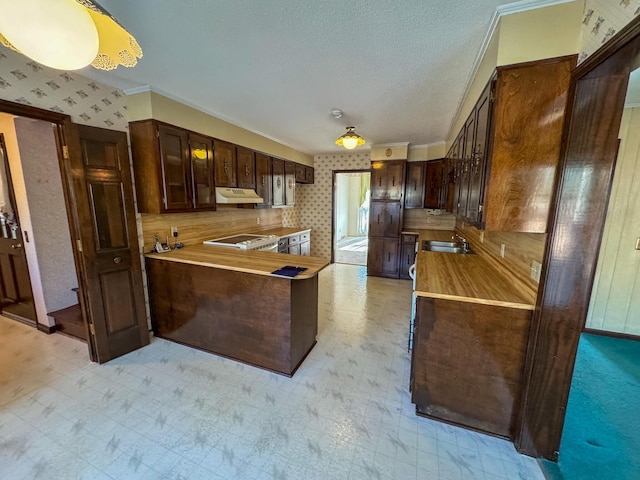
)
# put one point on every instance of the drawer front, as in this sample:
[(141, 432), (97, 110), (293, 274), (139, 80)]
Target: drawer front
[(305, 237), (283, 242), (294, 239)]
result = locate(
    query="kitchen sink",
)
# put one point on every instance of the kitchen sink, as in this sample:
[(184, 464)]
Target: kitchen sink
[(444, 247)]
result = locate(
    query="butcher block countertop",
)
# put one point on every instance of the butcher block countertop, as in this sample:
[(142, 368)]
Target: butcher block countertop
[(465, 277), (248, 261)]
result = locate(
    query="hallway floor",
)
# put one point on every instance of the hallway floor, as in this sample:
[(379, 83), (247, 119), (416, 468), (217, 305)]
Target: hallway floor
[(171, 412), (352, 251)]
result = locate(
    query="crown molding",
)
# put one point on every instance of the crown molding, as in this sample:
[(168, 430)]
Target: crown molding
[(502, 10)]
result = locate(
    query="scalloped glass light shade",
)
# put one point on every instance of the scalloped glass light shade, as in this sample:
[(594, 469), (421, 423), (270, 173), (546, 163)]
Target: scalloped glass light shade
[(56, 33), (350, 140)]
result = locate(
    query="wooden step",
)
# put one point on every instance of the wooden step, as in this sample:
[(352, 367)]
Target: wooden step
[(69, 321)]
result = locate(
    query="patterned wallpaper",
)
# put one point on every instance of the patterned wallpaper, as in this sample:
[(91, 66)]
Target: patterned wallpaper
[(86, 101), (602, 20), (313, 202)]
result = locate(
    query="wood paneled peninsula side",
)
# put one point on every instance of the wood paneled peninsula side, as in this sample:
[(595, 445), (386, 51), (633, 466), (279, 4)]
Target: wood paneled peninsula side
[(470, 339), (226, 301)]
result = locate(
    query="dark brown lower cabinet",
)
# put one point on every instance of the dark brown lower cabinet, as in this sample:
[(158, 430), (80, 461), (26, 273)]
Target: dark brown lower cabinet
[(382, 259), (408, 254), (467, 363)]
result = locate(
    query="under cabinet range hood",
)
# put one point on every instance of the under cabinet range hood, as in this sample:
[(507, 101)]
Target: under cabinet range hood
[(237, 195)]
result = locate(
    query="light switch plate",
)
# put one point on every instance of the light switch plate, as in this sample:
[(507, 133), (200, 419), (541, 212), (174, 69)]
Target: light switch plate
[(638, 243), (174, 231), (536, 269)]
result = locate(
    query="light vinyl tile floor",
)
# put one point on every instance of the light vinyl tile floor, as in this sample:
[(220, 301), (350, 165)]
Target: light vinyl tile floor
[(171, 412)]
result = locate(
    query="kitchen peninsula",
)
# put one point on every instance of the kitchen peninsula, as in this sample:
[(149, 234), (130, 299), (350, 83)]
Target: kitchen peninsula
[(470, 339), (226, 301)]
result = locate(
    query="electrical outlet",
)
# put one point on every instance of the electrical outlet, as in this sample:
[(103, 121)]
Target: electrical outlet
[(502, 249), (481, 237), (536, 269), (258, 221), (174, 231)]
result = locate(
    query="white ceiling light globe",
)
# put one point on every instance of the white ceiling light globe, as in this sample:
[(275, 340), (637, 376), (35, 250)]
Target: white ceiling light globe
[(350, 143), (56, 33)]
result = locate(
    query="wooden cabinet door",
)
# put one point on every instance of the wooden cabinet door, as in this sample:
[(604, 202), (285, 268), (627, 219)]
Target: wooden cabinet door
[(300, 173), (246, 168), (305, 249), (278, 182), (395, 179), (224, 158), (390, 257), (308, 175), (202, 181), (378, 181), (175, 162), (407, 255), (392, 219), (290, 183), (377, 219), (433, 184), (264, 179), (466, 153), (479, 156), (374, 256), (414, 185)]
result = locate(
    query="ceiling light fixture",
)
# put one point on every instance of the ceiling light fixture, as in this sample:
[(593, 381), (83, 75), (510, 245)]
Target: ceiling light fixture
[(350, 140), (67, 34)]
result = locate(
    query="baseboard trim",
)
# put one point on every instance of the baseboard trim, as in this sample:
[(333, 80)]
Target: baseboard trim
[(47, 329), (605, 333)]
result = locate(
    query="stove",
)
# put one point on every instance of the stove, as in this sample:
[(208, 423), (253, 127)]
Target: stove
[(247, 241)]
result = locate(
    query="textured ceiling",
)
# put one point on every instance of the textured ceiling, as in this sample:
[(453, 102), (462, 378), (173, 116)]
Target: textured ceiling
[(398, 70)]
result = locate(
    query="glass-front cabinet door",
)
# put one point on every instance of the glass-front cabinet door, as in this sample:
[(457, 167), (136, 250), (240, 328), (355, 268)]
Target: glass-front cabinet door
[(201, 149), (174, 148)]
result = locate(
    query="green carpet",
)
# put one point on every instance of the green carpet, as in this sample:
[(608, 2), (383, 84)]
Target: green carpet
[(601, 436)]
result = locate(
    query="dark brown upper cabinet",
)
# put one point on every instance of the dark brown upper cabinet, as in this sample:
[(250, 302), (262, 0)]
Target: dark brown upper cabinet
[(387, 179), (169, 175), (278, 182), (432, 183), (264, 179), (414, 186), (246, 168), (304, 174), (224, 158), (510, 147), (290, 183)]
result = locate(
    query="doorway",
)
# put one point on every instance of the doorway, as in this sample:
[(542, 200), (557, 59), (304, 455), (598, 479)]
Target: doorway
[(350, 231)]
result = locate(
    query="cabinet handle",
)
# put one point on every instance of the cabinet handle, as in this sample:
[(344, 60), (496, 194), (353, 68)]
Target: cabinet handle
[(246, 169), (117, 260), (226, 167), (415, 185), (16, 245), (393, 181), (378, 219), (264, 181), (388, 256)]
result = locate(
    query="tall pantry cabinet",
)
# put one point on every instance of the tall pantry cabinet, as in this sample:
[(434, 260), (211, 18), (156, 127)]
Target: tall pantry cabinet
[(385, 217)]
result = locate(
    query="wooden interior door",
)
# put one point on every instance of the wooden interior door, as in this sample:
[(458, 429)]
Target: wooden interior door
[(16, 296), (106, 240)]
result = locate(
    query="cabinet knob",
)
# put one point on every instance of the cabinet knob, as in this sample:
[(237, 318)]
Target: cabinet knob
[(117, 260)]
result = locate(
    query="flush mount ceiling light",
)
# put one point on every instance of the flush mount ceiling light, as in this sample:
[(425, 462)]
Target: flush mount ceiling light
[(67, 34), (351, 139)]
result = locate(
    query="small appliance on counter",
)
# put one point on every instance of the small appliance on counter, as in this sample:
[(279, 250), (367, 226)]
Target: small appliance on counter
[(247, 241)]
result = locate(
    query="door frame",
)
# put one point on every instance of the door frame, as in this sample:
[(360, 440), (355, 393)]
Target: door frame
[(333, 203), (58, 120), (589, 149)]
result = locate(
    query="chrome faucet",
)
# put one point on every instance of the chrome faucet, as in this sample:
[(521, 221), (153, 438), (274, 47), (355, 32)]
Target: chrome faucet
[(465, 244)]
